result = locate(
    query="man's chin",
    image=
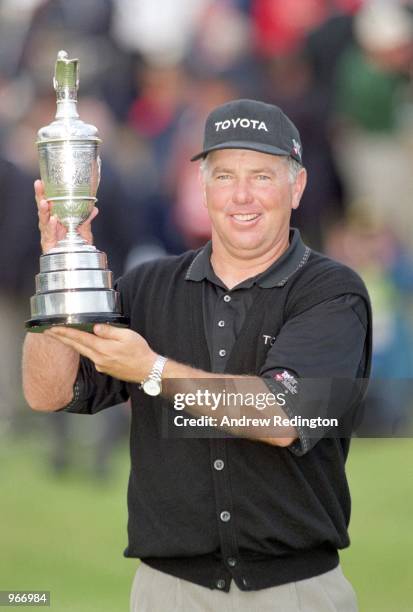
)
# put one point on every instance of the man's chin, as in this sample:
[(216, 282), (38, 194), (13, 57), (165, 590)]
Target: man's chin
[(249, 245)]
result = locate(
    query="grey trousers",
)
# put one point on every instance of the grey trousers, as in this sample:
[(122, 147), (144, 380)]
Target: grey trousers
[(154, 591)]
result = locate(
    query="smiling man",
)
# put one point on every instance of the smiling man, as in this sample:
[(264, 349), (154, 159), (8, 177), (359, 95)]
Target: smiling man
[(252, 519)]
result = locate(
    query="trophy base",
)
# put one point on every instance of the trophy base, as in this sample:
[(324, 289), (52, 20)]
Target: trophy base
[(84, 322)]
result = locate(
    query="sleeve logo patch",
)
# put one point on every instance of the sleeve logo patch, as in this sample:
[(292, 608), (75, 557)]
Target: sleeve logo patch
[(287, 380)]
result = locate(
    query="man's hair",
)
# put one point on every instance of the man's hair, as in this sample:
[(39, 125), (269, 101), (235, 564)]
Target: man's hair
[(293, 168)]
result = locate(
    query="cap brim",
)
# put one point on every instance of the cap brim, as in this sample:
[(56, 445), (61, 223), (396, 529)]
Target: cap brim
[(252, 146)]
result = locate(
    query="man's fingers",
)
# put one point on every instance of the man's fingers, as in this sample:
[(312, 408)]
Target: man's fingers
[(89, 341), (82, 342), (93, 214), (44, 212), (48, 229), (72, 333), (80, 348), (39, 190), (43, 206), (109, 332), (40, 195)]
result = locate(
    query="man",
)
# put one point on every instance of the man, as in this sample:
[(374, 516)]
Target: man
[(252, 519)]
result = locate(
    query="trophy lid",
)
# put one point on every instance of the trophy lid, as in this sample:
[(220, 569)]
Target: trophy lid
[(66, 125), (66, 74)]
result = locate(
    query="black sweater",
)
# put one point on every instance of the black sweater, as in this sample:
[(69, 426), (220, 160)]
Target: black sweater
[(289, 512)]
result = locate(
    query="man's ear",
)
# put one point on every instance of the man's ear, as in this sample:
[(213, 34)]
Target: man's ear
[(298, 188)]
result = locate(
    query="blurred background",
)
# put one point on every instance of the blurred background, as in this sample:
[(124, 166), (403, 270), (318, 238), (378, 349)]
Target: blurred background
[(150, 72)]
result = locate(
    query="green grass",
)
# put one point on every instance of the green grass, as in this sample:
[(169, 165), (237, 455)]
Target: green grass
[(64, 535), (379, 562), (67, 535)]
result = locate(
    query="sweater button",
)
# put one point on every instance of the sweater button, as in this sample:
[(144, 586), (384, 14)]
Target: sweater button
[(227, 298), (218, 464), (231, 561), (225, 516), (220, 584), (222, 352)]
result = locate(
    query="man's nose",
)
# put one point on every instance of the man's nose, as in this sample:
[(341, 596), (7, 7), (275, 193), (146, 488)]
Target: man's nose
[(242, 192)]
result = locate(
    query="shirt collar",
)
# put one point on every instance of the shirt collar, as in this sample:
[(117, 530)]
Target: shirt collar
[(276, 275)]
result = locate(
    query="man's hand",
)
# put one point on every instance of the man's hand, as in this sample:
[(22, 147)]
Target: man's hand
[(125, 354), (118, 352), (51, 230)]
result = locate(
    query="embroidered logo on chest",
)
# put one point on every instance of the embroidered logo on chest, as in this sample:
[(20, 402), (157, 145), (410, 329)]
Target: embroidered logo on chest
[(268, 339)]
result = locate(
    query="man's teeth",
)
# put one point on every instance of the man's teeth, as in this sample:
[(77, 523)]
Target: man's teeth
[(245, 217)]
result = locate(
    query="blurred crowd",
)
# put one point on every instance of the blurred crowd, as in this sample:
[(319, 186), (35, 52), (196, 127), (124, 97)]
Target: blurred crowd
[(150, 71)]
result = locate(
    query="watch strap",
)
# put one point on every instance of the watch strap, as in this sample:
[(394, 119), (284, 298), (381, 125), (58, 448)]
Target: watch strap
[(157, 369)]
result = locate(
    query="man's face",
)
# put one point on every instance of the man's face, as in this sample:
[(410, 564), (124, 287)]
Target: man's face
[(249, 196)]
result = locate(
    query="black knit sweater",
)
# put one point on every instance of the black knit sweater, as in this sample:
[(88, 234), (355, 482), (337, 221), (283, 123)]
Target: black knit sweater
[(289, 511)]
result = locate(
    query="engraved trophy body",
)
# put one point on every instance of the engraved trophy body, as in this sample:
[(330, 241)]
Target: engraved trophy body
[(74, 286)]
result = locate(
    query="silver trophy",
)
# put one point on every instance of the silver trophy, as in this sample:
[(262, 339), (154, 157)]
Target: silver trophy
[(74, 286)]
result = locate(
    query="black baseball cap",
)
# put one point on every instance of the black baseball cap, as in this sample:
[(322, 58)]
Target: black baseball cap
[(251, 124)]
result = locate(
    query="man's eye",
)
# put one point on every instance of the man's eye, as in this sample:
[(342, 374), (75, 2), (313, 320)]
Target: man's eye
[(224, 177), (263, 177)]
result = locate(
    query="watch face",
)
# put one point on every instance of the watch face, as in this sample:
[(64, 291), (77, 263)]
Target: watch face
[(152, 387)]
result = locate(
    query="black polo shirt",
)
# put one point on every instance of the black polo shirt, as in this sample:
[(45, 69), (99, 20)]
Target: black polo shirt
[(343, 321)]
